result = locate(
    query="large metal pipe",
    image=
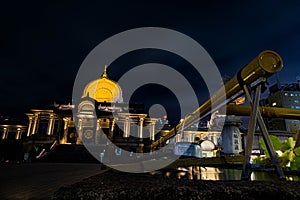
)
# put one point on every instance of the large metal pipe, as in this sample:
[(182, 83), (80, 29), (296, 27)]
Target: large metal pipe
[(264, 65), (273, 112)]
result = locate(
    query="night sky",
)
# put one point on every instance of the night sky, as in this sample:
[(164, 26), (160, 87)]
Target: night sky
[(44, 43)]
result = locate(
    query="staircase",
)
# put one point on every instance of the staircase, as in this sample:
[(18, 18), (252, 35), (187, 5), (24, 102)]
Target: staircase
[(68, 153)]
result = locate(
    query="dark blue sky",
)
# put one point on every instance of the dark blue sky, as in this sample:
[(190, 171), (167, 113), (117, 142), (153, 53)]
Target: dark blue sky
[(44, 44)]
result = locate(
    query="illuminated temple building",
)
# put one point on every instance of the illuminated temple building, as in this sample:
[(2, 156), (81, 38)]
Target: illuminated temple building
[(102, 113), (101, 108), (114, 118)]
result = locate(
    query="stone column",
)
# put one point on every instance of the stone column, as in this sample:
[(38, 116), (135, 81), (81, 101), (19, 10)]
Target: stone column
[(140, 131), (65, 136), (140, 136), (5, 131), (177, 138), (111, 129), (113, 121), (126, 127), (190, 137), (18, 135), (98, 133), (50, 125), (36, 117), (152, 131), (30, 118), (79, 141)]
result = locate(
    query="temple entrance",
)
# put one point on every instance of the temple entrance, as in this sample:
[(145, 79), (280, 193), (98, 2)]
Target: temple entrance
[(72, 136)]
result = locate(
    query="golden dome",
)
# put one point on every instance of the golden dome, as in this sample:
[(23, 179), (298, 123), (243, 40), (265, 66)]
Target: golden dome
[(103, 90)]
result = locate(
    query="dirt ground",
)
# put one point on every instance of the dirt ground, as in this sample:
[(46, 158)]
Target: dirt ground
[(119, 185)]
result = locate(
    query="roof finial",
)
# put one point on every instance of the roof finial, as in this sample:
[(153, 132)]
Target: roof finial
[(104, 72)]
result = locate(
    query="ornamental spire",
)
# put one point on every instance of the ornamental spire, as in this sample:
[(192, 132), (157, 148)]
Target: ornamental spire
[(104, 72)]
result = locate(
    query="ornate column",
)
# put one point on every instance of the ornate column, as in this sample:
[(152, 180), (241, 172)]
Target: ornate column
[(36, 117), (152, 130), (79, 141), (140, 136), (30, 118), (50, 125), (126, 127), (113, 121), (140, 130), (4, 135), (18, 135), (65, 135), (190, 137), (98, 133), (111, 129)]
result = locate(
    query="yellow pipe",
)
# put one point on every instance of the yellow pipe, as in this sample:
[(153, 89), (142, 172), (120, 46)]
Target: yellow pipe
[(272, 112), (264, 65)]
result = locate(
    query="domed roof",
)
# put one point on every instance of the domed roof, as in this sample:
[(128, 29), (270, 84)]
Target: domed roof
[(103, 90)]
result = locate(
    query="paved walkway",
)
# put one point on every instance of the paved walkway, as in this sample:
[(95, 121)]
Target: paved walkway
[(41, 180)]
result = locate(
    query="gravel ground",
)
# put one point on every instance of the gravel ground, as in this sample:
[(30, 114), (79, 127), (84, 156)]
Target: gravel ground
[(118, 185)]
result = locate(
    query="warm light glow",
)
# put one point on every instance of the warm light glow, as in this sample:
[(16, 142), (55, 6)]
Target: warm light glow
[(240, 100), (103, 90)]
